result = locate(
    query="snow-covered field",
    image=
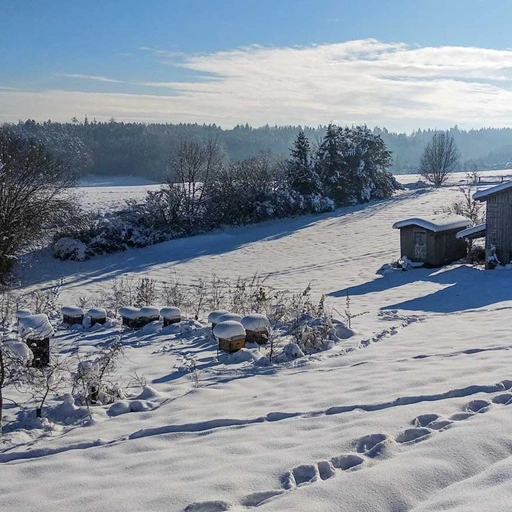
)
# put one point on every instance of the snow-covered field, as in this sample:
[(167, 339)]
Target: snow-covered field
[(412, 413)]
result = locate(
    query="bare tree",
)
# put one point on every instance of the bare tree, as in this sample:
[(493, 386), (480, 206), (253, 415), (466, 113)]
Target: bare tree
[(440, 157), (34, 197)]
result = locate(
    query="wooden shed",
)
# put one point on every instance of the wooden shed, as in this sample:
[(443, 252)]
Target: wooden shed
[(432, 240), (498, 229)]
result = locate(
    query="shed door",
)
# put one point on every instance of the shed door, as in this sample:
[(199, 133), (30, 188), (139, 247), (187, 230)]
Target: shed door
[(420, 245)]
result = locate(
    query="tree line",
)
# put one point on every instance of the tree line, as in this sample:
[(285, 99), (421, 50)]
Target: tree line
[(135, 149)]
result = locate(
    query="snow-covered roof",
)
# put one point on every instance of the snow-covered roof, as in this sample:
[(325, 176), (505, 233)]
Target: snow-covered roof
[(435, 223), (71, 311), (35, 327), (22, 313), (213, 317), (482, 195), (170, 313), (229, 329), (256, 322), (470, 232)]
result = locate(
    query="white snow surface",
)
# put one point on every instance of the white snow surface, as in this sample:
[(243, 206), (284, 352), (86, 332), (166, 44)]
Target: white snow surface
[(411, 413), (484, 194), (96, 313)]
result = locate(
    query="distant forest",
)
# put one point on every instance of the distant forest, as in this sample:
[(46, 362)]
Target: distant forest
[(134, 149)]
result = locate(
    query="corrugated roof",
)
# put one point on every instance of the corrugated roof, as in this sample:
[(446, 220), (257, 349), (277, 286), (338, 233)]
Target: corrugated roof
[(436, 223)]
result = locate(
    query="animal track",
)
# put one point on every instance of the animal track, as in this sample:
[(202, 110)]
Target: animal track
[(208, 506), (367, 447), (412, 434)]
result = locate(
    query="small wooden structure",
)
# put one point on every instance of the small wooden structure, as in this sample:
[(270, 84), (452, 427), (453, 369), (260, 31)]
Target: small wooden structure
[(72, 315), (498, 229), (257, 328), (36, 330), (97, 316), (170, 315), (432, 240), (231, 335)]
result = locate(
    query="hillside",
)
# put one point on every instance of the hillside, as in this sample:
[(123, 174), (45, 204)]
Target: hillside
[(409, 414)]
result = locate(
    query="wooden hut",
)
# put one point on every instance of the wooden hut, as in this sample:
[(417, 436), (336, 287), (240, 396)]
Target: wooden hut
[(432, 240), (498, 229)]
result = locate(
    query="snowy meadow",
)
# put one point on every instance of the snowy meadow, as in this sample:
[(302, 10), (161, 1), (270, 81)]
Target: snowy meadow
[(409, 413)]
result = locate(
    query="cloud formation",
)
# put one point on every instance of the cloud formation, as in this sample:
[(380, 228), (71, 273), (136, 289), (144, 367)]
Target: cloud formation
[(365, 81)]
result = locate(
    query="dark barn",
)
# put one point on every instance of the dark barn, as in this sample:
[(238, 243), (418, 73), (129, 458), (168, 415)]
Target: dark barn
[(498, 231), (432, 241)]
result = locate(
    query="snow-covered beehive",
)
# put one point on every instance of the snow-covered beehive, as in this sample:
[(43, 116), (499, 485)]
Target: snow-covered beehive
[(36, 331), (170, 315), (213, 317), (97, 316), (231, 335), (72, 315), (257, 328), (135, 318)]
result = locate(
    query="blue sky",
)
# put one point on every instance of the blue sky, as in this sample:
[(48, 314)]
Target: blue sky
[(394, 63)]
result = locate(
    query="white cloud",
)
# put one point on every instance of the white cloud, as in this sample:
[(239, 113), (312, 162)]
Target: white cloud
[(364, 81)]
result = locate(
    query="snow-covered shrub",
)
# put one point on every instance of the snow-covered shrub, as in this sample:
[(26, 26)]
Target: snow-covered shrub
[(92, 382), (67, 248)]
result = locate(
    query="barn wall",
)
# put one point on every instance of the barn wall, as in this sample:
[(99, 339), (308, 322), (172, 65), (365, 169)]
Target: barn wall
[(499, 225)]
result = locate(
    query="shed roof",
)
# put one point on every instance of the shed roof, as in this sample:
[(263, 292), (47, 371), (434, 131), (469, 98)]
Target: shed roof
[(472, 232), (435, 223), (482, 195)]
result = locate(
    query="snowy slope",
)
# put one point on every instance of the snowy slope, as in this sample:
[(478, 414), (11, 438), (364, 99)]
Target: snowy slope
[(412, 413)]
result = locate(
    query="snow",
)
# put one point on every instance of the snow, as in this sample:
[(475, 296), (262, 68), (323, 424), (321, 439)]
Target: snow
[(35, 327), (255, 322), (435, 223), (170, 313), (23, 313), (483, 195), (96, 313), (149, 312), (226, 317), (71, 311), (412, 412), (130, 312), (471, 231), (214, 316), (228, 329)]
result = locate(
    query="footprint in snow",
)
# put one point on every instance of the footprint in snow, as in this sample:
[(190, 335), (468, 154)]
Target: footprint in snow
[(503, 399), (413, 434), (372, 445), (259, 498), (208, 506), (301, 475), (478, 406), (432, 421)]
